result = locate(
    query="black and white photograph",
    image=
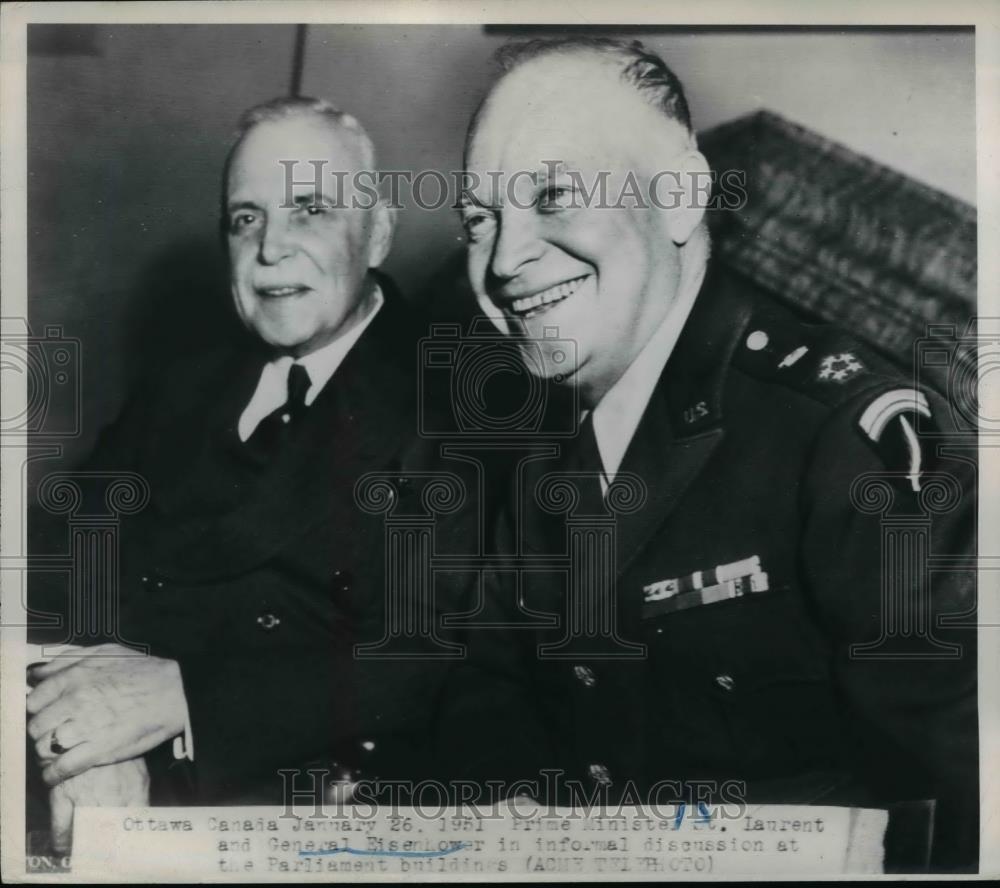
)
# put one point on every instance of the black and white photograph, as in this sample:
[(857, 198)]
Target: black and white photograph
[(524, 442)]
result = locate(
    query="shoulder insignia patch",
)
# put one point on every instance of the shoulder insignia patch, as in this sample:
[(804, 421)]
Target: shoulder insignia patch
[(839, 367), (888, 406), (888, 412)]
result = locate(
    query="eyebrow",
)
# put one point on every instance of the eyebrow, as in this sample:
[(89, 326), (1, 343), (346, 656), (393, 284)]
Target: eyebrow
[(470, 200), (307, 199), (241, 205), (299, 200), (564, 166)]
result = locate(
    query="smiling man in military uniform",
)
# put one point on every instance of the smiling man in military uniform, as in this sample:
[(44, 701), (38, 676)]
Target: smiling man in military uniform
[(748, 627)]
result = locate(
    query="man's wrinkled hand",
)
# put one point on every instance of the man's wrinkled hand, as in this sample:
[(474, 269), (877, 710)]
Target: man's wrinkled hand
[(105, 704), (122, 784)]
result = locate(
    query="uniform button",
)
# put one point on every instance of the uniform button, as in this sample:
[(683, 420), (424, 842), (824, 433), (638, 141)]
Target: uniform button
[(339, 793), (268, 621), (368, 745), (600, 775), (159, 584), (344, 773), (725, 682), (341, 784), (145, 581), (757, 340), (585, 675), (286, 418), (343, 580)]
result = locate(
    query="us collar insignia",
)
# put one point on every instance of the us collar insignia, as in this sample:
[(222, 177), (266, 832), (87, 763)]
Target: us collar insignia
[(838, 368)]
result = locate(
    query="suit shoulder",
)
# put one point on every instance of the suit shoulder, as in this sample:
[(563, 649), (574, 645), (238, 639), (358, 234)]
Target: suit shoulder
[(162, 393), (187, 374)]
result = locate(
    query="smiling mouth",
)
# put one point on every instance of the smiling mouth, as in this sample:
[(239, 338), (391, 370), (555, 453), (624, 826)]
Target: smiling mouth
[(280, 292), (529, 306)]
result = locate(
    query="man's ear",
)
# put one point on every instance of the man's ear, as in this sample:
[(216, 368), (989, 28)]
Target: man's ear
[(696, 189), (383, 228)]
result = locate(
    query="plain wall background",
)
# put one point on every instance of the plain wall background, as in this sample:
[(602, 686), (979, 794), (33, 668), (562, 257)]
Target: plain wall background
[(128, 127), (906, 99)]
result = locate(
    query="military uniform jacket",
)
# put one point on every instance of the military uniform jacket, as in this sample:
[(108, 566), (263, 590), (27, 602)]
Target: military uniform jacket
[(262, 574), (768, 614)]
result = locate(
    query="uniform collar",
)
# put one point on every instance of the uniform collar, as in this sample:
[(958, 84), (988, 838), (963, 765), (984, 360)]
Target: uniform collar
[(687, 359), (694, 377), (617, 415), (682, 425)]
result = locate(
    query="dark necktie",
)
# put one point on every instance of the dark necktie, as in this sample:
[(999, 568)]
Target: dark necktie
[(298, 388), (277, 427), (586, 458)]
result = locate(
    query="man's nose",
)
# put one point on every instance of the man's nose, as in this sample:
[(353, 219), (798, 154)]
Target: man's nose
[(516, 243), (275, 243)]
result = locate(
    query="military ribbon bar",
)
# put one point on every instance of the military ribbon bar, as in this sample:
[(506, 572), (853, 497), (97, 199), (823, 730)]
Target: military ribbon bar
[(720, 583)]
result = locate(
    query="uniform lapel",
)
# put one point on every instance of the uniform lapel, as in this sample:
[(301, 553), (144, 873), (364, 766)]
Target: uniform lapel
[(683, 422), (667, 465)]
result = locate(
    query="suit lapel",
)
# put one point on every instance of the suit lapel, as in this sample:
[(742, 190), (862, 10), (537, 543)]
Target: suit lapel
[(198, 441), (362, 417)]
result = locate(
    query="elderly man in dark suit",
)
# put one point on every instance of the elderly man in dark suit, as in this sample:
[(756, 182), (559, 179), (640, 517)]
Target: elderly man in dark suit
[(254, 573), (737, 612)]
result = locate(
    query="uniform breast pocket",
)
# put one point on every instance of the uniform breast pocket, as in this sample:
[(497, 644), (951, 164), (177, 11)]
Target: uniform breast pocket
[(766, 667), (765, 636)]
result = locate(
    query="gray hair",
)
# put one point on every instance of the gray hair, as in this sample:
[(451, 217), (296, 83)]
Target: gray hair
[(303, 106), (285, 108)]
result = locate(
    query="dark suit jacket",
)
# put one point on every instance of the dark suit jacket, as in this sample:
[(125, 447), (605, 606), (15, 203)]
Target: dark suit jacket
[(261, 575), (738, 456)]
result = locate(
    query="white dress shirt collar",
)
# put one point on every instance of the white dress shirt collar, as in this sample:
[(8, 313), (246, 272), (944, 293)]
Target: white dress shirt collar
[(272, 388)]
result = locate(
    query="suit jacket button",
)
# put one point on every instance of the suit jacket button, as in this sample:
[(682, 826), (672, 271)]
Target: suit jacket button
[(725, 682), (600, 775), (268, 621), (585, 675)]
